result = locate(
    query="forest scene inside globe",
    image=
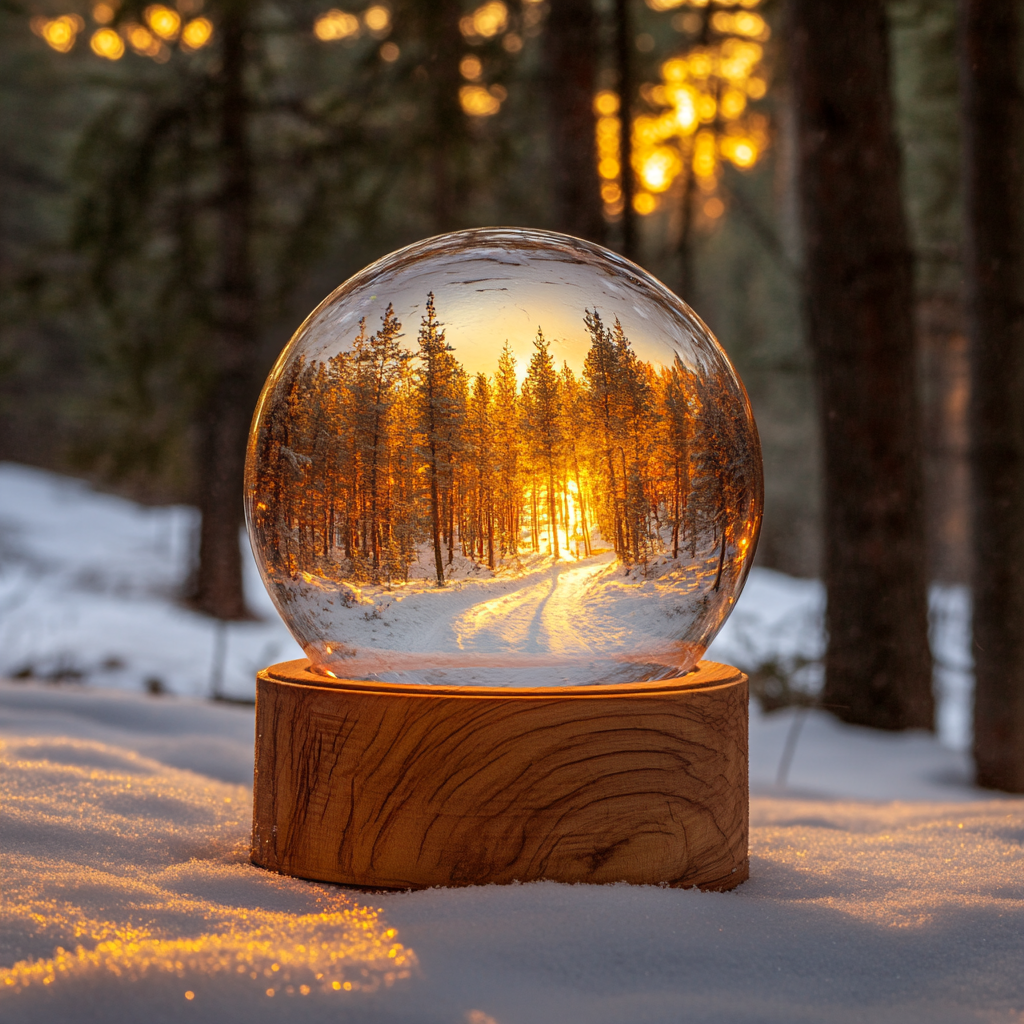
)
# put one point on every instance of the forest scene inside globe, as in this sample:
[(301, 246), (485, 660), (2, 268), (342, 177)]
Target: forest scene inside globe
[(503, 458)]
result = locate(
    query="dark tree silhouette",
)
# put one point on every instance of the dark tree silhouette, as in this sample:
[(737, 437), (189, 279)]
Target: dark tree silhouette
[(993, 133), (437, 386), (570, 55), (859, 296)]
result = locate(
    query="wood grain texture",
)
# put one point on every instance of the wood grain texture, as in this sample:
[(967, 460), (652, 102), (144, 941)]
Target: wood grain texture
[(403, 787)]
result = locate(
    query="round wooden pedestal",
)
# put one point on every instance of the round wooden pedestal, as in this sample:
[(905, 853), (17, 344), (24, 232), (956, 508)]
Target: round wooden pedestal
[(395, 786)]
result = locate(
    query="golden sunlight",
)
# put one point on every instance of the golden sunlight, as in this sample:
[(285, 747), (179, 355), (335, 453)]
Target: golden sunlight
[(107, 43), (141, 40), (335, 25), (346, 950), (470, 68), (478, 101), (485, 22), (58, 33), (163, 21), (644, 203), (377, 18), (196, 34), (700, 110)]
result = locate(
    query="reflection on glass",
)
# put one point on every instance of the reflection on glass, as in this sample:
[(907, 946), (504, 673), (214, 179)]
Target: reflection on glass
[(508, 458)]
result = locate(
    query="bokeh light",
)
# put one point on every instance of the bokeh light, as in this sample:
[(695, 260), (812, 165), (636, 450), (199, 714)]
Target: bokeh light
[(163, 21), (196, 34), (486, 21), (335, 25), (699, 112), (479, 101), (60, 33), (107, 43), (377, 19)]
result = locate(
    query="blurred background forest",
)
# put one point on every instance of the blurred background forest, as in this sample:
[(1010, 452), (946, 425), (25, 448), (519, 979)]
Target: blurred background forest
[(172, 174)]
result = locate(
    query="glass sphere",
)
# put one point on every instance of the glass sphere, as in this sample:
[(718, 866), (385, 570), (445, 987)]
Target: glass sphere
[(503, 457)]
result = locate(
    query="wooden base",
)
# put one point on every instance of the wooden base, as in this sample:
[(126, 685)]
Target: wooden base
[(405, 787)]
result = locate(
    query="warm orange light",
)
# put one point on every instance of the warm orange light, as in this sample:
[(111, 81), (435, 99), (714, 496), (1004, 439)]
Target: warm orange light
[(756, 88), (196, 34), (163, 21), (644, 203), (714, 208), (103, 14), (706, 108), (485, 22), (58, 33), (659, 168), (141, 40), (733, 104), (390, 52), (606, 103), (377, 18), (705, 158), (335, 25), (711, 86), (107, 43), (471, 68), (478, 101)]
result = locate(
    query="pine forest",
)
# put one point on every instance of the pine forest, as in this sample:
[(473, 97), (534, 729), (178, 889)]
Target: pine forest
[(383, 463)]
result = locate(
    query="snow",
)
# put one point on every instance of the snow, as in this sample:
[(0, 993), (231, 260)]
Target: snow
[(883, 886), (545, 622), (88, 591)]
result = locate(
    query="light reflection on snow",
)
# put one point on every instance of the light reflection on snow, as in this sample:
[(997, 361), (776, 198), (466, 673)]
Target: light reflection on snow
[(150, 879)]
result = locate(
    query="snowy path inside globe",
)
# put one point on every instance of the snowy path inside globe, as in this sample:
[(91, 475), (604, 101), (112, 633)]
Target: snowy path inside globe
[(549, 622)]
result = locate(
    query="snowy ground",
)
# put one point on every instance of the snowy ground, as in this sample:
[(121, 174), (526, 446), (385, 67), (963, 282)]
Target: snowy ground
[(883, 887)]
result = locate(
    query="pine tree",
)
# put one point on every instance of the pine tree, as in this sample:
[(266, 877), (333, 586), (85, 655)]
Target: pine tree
[(380, 359), (675, 438), (601, 375), (441, 391), (507, 442), (638, 416), (542, 426)]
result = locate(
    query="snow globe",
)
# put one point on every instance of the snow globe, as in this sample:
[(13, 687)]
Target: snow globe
[(504, 488)]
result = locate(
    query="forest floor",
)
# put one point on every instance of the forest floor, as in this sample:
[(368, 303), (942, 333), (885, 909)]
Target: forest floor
[(883, 888)]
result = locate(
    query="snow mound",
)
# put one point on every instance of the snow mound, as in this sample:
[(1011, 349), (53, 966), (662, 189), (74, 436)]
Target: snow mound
[(122, 874)]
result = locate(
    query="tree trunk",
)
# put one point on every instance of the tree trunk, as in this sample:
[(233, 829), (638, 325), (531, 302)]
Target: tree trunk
[(441, 28), (859, 296), (685, 246), (624, 63), (435, 516), (993, 122), (229, 401), (571, 47)]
